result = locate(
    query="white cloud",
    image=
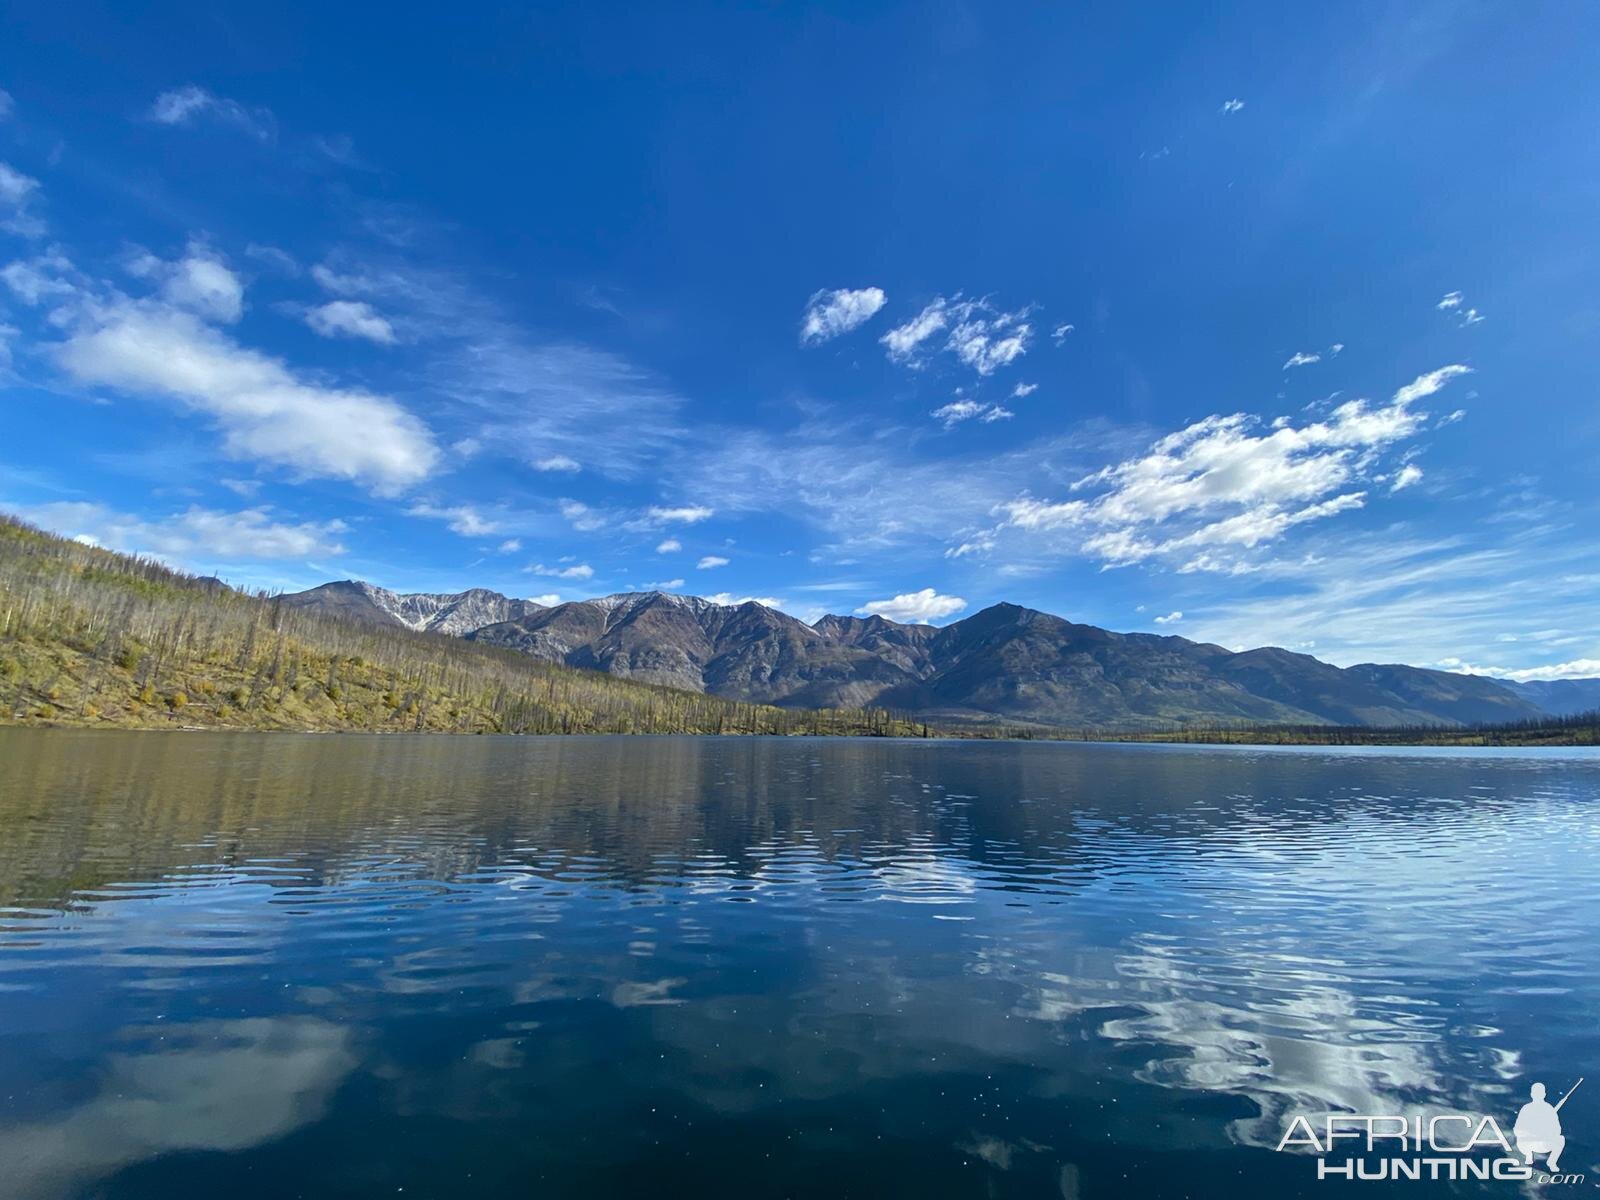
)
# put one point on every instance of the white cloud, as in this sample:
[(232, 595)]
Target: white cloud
[(669, 546), (1424, 386), (1172, 618), (1578, 668), (1333, 350), (509, 546), (200, 282), (957, 411), (581, 517), (985, 344), (7, 105), (352, 319), (1407, 475), (926, 605), (729, 600), (17, 193), (1300, 359), (43, 278), (461, 518), (265, 412), (831, 312), (558, 463), (242, 487), (1175, 499), (1451, 300), (197, 537), (15, 187), (1471, 317), (710, 562), (979, 336), (548, 600), (687, 515), (663, 585), (1059, 333), (576, 571), (1232, 106), (904, 342), (1023, 390), (189, 104)]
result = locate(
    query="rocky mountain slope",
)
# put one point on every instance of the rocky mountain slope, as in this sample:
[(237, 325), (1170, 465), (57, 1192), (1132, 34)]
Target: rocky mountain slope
[(1005, 663), (453, 613)]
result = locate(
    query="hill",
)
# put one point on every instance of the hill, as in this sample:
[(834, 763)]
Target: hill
[(97, 638)]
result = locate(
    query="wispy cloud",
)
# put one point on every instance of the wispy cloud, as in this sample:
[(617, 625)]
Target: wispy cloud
[(977, 334), (196, 537), (836, 311), (1231, 106), (1300, 358), (350, 319), (191, 104), (952, 414), (18, 195), (711, 562), (1218, 487), (464, 519)]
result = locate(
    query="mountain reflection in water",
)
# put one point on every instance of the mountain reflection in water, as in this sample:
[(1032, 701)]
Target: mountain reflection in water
[(341, 965)]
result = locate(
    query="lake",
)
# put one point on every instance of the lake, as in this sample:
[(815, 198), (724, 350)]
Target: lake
[(360, 966)]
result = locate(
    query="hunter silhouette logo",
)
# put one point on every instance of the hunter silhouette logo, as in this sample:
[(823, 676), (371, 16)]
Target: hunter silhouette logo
[(1538, 1127), (1454, 1146)]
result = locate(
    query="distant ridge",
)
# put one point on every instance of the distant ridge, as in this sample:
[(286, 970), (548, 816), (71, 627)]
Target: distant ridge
[(1005, 664)]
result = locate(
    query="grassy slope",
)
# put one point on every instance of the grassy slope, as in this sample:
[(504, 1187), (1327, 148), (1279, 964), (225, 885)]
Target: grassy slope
[(89, 637)]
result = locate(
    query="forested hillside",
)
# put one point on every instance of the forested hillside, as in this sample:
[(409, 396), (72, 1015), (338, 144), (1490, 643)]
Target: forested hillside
[(91, 637)]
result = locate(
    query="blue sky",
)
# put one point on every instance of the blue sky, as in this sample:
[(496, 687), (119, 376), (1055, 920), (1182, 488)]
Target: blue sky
[(1270, 325)]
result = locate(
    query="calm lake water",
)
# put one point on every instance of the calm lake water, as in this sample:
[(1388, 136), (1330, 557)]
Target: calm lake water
[(347, 966)]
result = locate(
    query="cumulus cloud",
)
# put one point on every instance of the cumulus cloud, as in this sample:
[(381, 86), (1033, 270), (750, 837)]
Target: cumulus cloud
[(1221, 484), (926, 605), (1405, 477), (711, 561), (548, 600), (558, 463), (191, 104), (1172, 618), (1301, 359), (972, 330), (576, 571), (197, 536), (509, 546), (200, 282), (689, 514), (1023, 390), (831, 312), (265, 412), (350, 319), (669, 546)]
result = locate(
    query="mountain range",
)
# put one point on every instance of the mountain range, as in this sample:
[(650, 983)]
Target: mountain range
[(1005, 664)]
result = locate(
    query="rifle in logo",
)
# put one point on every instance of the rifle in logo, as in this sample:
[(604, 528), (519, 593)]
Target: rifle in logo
[(1538, 1127)]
